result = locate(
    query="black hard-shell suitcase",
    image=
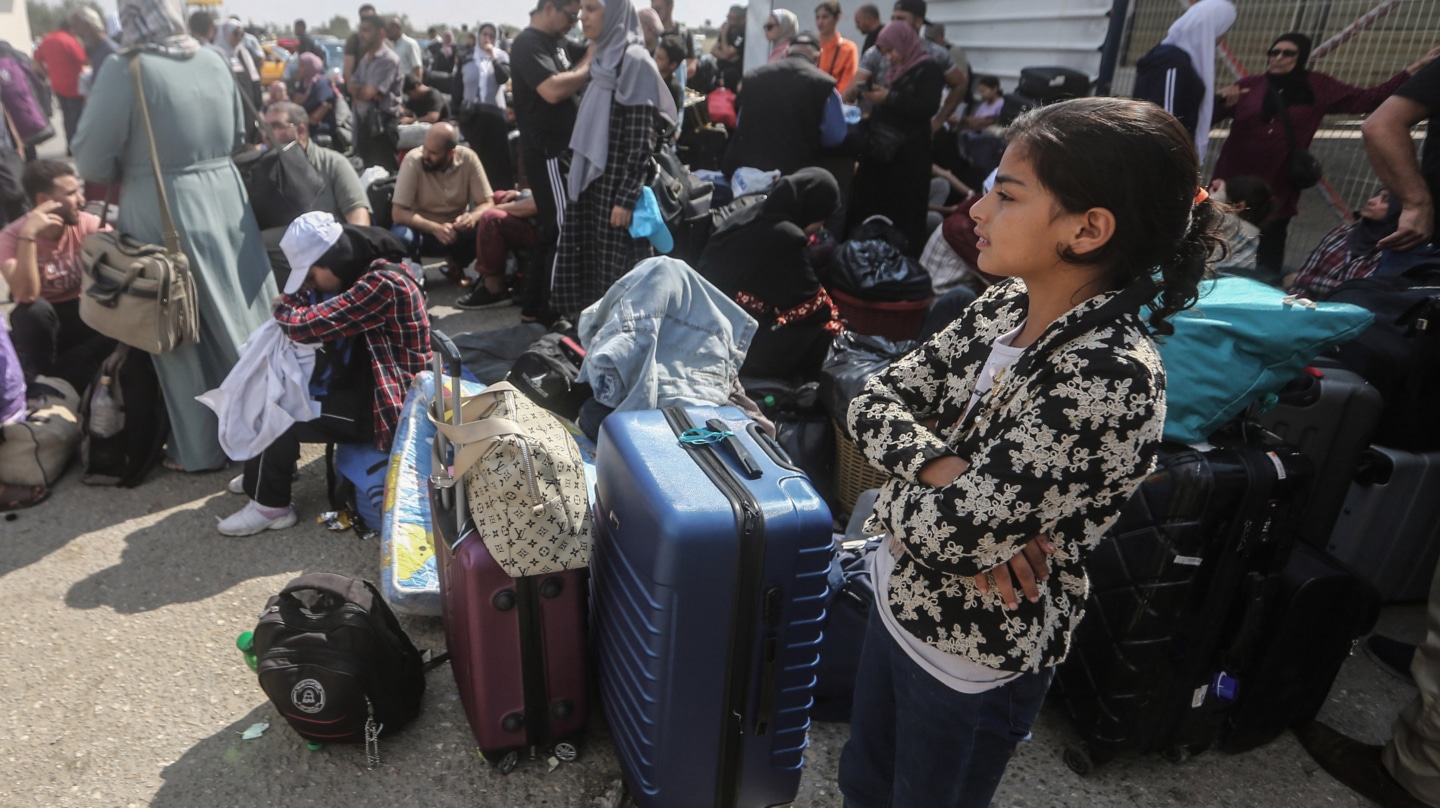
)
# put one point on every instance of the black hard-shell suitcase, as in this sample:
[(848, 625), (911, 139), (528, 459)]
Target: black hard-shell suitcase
[(1330, 415), (1315, 611), (1152, 663), (1050, 84), (1389, 527)]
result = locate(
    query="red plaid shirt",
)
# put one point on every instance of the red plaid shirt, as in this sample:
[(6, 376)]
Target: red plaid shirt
[(387, 308), (1330, 265)]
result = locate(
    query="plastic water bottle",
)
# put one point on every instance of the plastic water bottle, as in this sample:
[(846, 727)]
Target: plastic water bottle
[(106, 419), (246, 643)]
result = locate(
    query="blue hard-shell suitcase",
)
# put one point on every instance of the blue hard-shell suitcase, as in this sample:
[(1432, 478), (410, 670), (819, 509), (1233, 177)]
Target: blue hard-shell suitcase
[(708, 586)]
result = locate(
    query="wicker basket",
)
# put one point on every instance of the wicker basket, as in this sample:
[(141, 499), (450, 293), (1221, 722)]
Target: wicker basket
[(900, 320), (853, 473)]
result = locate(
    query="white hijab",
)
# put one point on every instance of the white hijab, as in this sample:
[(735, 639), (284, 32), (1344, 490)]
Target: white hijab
[(1196, 33)]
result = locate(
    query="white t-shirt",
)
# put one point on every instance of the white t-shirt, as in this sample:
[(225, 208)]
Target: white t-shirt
[(954, 671)]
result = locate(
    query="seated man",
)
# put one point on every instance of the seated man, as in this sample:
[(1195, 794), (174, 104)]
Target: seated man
[(439, 195), (41, 261), (346, 292), (423, 104), (1348, 252), (342, 197), (507, 226)]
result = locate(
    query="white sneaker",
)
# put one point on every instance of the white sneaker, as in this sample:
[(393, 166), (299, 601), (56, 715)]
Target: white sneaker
[(236, 484), (249, 520)]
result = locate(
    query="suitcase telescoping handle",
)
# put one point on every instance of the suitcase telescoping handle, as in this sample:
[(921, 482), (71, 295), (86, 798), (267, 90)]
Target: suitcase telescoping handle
[(447, 356), (447, 366)]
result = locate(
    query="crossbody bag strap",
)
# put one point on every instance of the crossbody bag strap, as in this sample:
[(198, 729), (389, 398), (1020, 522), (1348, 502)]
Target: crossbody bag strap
[(1284, 115), (172, 237)]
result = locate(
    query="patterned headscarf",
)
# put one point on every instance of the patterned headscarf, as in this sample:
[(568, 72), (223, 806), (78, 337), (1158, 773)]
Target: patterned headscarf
[(157, 26)]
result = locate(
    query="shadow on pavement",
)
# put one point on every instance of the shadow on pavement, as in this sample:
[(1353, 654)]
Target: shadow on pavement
[(36, 532), (182, 559), (434, 756)]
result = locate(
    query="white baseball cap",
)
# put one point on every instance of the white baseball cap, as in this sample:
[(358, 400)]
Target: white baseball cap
[(305, 240)]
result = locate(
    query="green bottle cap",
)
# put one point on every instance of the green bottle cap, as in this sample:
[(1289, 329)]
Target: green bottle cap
[(246, 641)]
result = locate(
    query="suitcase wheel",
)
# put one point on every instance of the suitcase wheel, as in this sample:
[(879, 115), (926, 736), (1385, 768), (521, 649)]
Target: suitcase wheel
[(1079, 760), (567, 752), (509, 762)]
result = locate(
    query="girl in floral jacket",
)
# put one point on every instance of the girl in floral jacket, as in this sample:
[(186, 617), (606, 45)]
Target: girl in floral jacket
[(1013, 437)]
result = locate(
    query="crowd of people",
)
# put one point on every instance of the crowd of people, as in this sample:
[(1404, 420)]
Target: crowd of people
[(1084, 201)]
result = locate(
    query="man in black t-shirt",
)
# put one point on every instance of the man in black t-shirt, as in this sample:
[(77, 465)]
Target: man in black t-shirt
[(547, 71), (307, 42), (1392, 152), (423, 104), (729, 48)]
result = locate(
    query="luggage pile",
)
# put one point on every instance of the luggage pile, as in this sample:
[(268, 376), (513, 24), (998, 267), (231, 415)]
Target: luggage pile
[(688, 564)]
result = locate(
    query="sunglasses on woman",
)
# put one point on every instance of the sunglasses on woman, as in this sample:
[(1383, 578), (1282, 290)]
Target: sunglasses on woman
[(769, 26), (1273, 52)]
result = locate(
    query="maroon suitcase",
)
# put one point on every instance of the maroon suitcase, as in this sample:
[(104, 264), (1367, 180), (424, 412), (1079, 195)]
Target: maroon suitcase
[(517, 645)]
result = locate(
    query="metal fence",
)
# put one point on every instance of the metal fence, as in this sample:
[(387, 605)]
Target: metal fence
[(1360, 42)]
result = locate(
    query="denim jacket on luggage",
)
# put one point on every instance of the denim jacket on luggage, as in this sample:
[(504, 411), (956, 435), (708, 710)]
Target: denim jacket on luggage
[(1057, 446), (663, 336)]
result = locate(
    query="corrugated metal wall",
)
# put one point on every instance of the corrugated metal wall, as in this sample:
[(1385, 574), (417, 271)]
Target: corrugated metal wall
[(1002, 36)]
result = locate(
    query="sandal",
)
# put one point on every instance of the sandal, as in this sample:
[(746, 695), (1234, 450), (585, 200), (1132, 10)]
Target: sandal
[(15, 497), (456, 274)]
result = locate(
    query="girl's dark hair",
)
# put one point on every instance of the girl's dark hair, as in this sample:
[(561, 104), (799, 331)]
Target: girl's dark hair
[(1259, 199), (989, 81), (1137, 161)]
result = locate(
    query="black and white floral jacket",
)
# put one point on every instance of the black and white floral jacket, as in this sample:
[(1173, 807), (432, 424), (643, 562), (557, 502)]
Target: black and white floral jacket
[(1057, 446)]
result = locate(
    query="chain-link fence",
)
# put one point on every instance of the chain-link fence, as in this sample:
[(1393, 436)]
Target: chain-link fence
[(1360, 42)]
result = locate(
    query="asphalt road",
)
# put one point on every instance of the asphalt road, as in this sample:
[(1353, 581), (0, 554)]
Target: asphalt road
[(122, 685)]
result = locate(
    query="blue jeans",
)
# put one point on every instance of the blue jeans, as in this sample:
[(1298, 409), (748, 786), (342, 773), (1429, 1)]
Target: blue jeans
[(915, 742)]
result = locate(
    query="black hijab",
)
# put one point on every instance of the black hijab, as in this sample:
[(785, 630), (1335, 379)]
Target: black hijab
[(763, 249), (1293, 87), (357, 249), (1364, 239)]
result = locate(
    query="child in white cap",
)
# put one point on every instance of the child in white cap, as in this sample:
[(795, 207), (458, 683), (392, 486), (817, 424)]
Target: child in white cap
[(349, 292)]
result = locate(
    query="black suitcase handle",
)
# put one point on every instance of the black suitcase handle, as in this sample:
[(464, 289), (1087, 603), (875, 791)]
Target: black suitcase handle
[(747, 461)]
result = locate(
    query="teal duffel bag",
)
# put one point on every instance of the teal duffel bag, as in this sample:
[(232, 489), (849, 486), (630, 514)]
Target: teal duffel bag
[(1241, 342)]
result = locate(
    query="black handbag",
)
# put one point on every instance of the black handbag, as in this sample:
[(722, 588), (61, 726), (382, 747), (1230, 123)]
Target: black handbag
[(281, 182), (1305, 170), (883, 142), (680, 195)]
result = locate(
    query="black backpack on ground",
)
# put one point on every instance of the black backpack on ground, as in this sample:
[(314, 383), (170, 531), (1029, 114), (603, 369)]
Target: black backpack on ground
[(546, 373), (123, 459), (335, 662), (281, 182), (1400, 353)]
